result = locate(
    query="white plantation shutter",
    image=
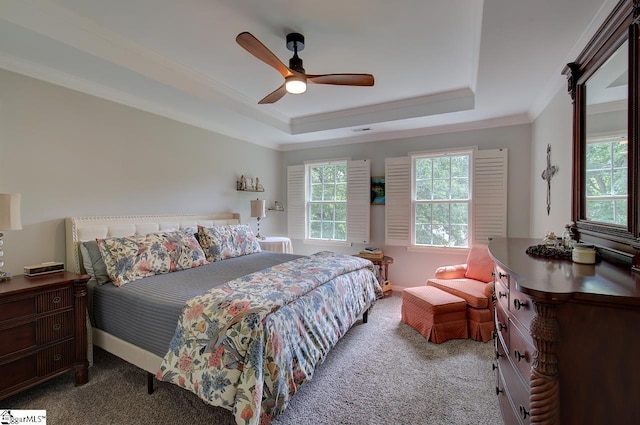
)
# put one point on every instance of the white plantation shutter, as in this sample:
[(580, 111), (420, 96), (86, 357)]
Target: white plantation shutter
[(398, 201), (358, 201), (296, 212), (489, 195)]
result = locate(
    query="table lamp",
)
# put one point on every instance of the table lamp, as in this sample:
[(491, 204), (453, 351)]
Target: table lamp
[(258, 208), (9, 220)]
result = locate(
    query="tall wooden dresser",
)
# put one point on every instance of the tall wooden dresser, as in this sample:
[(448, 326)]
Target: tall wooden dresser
[(568, 339), (43, 330)]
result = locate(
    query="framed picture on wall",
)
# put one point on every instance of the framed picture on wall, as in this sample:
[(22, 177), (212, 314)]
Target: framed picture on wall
[(377, 190)]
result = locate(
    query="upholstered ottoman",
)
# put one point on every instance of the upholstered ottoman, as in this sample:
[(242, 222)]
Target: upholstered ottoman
[(437, 315)]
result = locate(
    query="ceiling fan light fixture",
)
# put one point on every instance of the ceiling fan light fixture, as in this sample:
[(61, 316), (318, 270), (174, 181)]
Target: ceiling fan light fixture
[(296, 84)]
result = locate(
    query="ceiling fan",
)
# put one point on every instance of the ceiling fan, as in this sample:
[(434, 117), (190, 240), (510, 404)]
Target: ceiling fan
[(294, 75)]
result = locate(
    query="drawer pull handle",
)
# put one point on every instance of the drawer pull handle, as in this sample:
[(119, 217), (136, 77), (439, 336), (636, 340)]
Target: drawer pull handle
[(56, 300), (494, 366), (519, 304), (501, 275), (57, 357), (56, 326), (502, 294), (523, 412), (498, 391), (498, 355), (518, 355), (500, 326)]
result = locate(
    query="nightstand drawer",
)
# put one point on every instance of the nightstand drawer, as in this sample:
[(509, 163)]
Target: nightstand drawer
[(55, 327), (17, 308), (54, 300), (18, 372), (18, 338), (55, 358)]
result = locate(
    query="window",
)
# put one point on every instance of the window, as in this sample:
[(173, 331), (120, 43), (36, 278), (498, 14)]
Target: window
[(329, 201), (327, 206), (606, 179), (442, 199), (446, 199)]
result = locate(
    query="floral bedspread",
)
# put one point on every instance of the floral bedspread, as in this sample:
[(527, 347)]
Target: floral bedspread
[(249, 344)]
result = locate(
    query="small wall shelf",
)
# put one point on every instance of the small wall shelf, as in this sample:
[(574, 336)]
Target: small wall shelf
[(245, 187), (250, 190)]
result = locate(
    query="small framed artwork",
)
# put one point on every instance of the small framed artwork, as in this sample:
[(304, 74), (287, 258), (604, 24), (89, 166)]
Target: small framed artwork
[(377, 190)]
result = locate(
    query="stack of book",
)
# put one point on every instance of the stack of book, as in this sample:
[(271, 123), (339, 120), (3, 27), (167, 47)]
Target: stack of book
[(371, 253)]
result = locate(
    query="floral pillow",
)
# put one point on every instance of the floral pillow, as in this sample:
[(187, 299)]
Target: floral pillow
[(222, 242), (134, 257)]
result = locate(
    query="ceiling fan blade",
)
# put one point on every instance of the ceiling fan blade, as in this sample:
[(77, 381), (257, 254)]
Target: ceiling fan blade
[(260, 51), (274, 96), (342, 79)]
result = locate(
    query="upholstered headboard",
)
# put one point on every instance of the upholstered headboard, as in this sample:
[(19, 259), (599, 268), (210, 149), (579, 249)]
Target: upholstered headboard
[(80, 229)]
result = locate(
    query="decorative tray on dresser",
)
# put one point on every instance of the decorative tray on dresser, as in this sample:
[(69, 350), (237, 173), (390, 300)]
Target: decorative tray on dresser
[(567, 341), (43, 330)]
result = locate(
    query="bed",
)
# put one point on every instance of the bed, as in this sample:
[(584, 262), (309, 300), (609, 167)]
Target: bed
[(242, 332)]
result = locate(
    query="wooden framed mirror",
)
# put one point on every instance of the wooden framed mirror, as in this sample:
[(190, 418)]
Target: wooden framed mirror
[(604, 86)]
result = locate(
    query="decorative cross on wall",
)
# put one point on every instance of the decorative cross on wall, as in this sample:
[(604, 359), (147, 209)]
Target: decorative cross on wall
[(547, 173)]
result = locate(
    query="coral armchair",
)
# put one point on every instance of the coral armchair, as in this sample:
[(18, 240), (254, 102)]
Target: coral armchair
[(472, 281)]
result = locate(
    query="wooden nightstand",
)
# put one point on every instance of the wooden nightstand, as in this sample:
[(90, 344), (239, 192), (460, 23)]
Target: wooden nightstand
[(382, 265), (43, 331)]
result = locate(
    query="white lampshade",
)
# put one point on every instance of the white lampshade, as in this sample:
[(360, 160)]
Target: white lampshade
[(258, 208), (10, 211)]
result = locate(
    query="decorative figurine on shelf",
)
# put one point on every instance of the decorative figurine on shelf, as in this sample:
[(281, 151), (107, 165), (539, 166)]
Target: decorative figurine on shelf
[(252, 187), (257, 183), (243, 183)]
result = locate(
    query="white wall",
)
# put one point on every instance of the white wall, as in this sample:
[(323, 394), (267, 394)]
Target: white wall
[(411, 268), (552, 127), (72, 154)]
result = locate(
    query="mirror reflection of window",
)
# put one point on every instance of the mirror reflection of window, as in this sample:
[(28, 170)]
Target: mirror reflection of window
[(606, 179), (606, 155)]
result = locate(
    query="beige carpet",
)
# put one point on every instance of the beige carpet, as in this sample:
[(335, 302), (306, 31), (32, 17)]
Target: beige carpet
[(381, 372)]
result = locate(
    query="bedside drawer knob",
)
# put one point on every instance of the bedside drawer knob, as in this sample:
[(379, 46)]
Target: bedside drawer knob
[(494, 366), (500, 326), (56, 326), (523, 412), (518, 355), (56, 300), (57, 357), (498, 355), (502, 294), (519, 304), (498, 391), (501, 275)]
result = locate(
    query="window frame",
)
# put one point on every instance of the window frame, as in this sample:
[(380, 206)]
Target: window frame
[(414, 157), (309, 202)]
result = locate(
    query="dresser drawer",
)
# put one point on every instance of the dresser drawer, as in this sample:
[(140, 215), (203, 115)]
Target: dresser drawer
[(516, 389), (55, 300), (521, 307), (509, 415), (502, 324), (502, 295), (521, 351), (502, 276)]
